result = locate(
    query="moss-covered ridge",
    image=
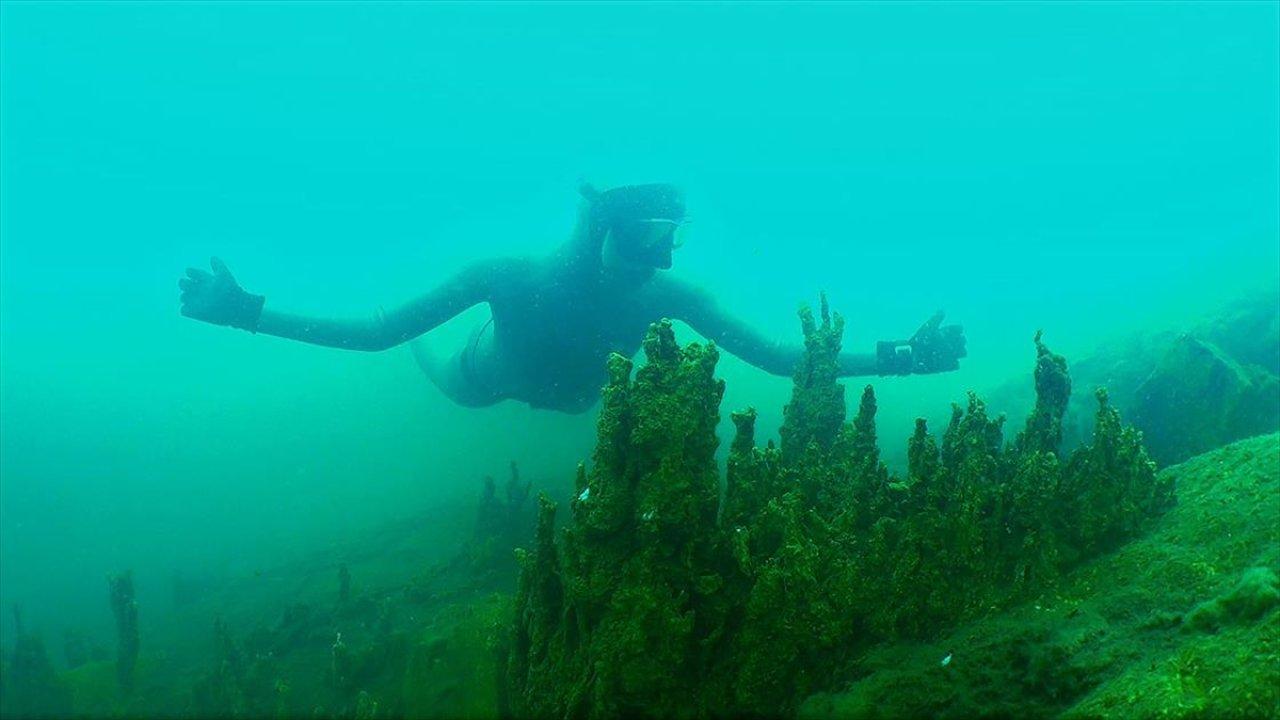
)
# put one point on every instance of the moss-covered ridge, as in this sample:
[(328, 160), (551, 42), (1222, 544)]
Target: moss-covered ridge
[(659, 600), (369, 627), (1183, 622), (1189, 388), (817, 571)]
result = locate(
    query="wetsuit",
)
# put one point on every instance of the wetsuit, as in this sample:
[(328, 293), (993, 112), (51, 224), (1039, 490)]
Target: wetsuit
[(554, 322)]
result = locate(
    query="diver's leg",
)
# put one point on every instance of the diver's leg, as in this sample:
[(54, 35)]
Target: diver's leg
[(455, 375), (428, 361)]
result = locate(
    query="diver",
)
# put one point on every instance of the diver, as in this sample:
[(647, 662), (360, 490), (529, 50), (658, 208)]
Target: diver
[(554, 320)]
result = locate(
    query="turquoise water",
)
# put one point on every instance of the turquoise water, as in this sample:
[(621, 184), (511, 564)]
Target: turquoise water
[(1087, 169)]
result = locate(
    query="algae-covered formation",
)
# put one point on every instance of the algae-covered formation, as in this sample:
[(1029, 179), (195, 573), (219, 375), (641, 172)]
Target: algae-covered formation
[(988, 578), (1189, 388), (486, 563), (503, 523), (125, 609), (31, 687), (1183, 622), (625, 612), (1230, 398), (660, 598)]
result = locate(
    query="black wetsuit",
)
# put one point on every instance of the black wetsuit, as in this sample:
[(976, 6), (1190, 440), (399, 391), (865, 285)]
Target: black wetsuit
[(555, 319), (552, 332)]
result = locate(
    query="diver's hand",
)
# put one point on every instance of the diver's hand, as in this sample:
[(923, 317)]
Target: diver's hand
[(935, 348), (217, 298)]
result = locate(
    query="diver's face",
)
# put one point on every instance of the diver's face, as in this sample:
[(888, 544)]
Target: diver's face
[(647, 243)]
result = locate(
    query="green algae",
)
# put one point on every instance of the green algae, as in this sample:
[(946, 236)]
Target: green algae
[(818, 582), (1053, 391), (158, 690), (817, 405), (454, 668), (125, 609), (30, 686), (624, 614), (422, 635), (1232, 399), (1257, 593), (1188, 390), (659, 600), (1109, 639)]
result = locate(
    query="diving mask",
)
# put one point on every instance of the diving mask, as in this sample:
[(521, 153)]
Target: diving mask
[(658, 231), (642, 221), (648, 241)]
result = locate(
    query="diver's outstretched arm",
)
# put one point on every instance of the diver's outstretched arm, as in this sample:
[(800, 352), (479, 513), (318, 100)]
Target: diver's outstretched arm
[(704, 314), (217, 298)]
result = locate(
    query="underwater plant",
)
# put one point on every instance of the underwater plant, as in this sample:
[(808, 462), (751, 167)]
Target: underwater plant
[(660, 599)]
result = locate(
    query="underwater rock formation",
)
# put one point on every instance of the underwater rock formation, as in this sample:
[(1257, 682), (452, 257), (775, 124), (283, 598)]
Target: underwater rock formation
[(487, 562), (344, 584), (989, 578), (660, 600), (501, 524), (220, 693), (125, 609), (78, 648), (1053, 391), (1190, 390), (625, 622), (1253, 597), (241, 682), (817, 404), (1198, 398), (1183, 622), (1247, 330), (29, 686)]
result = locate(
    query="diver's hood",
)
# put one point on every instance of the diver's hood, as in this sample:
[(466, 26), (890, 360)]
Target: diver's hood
[(653, 203), (639, 202)]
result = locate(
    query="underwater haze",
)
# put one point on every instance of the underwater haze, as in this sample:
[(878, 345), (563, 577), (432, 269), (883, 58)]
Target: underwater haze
[(1092, 170)]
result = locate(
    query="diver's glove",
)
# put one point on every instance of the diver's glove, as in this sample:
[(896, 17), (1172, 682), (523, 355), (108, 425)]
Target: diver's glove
[(219, 299), (935, 348)]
